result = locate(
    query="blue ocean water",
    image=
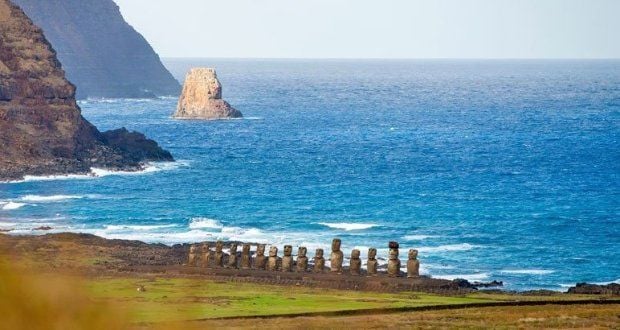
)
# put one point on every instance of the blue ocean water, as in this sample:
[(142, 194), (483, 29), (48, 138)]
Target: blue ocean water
[(506, 170)]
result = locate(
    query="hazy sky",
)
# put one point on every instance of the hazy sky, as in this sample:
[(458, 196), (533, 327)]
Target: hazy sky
[(379, 28)]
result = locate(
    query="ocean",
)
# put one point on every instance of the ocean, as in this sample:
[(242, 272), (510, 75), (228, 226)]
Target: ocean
[(492, 169)]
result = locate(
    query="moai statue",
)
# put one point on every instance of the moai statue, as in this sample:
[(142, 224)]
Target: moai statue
[(232, 258), (393, 262), (319, 261), (259, 259), (413, 264), (302, 260), (219, 255), (336, 257), (205, 255), (193, 256), (355, 266), (245, 257), (371, 266), (287, 259), (272, 263)]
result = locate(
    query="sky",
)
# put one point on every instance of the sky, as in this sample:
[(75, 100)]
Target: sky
[(378, 28)]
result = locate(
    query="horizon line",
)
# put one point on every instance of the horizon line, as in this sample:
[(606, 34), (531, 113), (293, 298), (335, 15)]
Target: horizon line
[(405, 58)]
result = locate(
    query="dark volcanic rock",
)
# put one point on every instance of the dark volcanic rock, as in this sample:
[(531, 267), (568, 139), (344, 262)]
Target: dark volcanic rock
[(41, 129), (102, 54), (136, 146), (585, 288)]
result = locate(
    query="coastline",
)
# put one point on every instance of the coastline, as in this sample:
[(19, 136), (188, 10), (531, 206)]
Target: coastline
[(147, 285), (138, 258)]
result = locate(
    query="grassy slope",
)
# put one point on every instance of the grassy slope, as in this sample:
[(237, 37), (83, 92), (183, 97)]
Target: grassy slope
[(186, 299)]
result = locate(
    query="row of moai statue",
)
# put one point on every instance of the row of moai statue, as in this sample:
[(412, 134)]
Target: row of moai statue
[(202, 256)]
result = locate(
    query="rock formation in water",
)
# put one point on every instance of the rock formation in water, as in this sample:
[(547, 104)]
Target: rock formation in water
[(42, 131), (202, 97), (102, 54)]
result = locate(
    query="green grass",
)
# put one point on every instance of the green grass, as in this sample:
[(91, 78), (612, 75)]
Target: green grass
[(189, 299)]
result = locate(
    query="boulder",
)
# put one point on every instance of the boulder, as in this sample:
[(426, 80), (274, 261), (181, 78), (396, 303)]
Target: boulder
[(202, 97)]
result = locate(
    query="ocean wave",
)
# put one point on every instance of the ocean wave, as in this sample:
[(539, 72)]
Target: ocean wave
[(607, 283), (564, 285), (12, 206), (204, 223), (52, 198), (469, 277), (137, 227), (446, 248), (348, 226), (417, 237), (151, 167), (527, 271)]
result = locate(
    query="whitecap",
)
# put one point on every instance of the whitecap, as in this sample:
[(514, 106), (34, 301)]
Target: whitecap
[(12, 206), (52, 198), (450, 247), (349, 226), (205, 223), (468, 277), (527, 271), (137, 227)]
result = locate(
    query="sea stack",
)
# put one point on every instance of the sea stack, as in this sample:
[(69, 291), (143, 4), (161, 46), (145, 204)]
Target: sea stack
[(202, 97)]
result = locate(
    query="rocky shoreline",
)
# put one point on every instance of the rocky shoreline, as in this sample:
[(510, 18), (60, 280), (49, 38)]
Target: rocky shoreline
[(42, 131)]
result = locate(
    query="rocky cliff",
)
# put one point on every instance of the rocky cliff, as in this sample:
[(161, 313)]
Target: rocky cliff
[(202, 97), (41, 128), (102, 54)]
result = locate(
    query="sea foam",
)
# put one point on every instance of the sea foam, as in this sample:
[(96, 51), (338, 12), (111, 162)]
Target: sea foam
[(52, 198), (349, 226), (468, 277), (12, 206), (205, 223), (151, 167)]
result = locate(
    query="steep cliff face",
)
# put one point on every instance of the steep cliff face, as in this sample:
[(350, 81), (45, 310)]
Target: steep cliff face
[(102, 54), (202, 97), (41, 127)]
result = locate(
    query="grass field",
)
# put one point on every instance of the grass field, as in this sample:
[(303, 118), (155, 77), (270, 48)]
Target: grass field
[(188, 299)]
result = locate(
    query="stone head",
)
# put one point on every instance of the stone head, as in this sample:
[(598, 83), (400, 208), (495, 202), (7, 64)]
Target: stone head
[(319, 253), (219, 246), (372, 253), (301, 252), (233, 248), (192, 248), (413, 254), (288, 250), (205, 247), (260, 250), (393, 254), (336, 244), (355, 254), (273, 251), (246, 248)]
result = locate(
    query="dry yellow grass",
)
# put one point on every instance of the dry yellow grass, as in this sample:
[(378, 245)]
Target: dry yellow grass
[(48, 302), (524, 317)]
